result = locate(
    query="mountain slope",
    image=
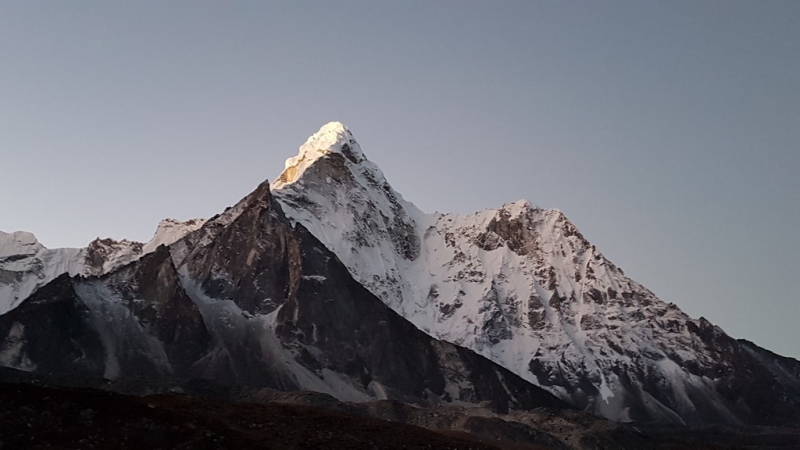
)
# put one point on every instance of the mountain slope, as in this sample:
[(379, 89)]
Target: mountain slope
[(247, 300), (523, 287)]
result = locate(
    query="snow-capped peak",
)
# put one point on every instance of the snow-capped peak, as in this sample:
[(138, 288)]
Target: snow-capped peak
[(519, 207), (518, 284), (169, 231), (331, 173), (333, 137), (18, 243)]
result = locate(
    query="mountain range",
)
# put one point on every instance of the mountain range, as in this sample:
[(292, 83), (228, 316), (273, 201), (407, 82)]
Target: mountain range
[(328, 280)]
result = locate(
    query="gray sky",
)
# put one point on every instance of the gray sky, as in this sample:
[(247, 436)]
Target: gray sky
[(669, 132)]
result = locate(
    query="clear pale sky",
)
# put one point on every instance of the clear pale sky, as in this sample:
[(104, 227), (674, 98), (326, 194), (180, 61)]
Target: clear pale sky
[(669, 132)]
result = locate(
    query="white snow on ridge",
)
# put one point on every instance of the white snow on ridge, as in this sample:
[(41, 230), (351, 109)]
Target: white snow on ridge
[(26, 265), (169, 231), (333, 137), (18, 243)]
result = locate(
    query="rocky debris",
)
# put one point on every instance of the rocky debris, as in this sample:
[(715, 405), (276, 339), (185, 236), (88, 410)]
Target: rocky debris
[(51, 333)]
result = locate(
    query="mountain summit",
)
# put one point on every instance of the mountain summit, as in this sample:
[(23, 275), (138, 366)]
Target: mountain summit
[(333, 137)]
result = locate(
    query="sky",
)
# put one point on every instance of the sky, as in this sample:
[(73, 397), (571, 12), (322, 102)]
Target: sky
[(668, 132)]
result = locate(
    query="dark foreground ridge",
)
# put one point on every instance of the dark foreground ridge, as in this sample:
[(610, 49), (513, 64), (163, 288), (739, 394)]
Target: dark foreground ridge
[(37, 416)]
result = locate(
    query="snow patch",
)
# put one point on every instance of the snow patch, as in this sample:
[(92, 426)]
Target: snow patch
[(18, 243), (169, 231), (317, 278)]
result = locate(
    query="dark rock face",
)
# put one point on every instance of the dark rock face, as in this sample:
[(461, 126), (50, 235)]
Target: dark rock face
[(51, 333), (256, 243), (768, 384), (137, 322), (514, 232), (153, 293), (252, 301)]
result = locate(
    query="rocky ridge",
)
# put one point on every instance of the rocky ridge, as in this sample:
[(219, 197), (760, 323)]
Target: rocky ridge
[(26, 265)]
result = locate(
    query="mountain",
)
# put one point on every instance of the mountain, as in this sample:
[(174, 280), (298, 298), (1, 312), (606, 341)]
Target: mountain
[(246, 300), (522, 286), (26, 265), (329, 281)]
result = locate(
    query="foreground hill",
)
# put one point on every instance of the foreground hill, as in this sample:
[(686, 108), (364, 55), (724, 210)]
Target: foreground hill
[(37, 416)]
